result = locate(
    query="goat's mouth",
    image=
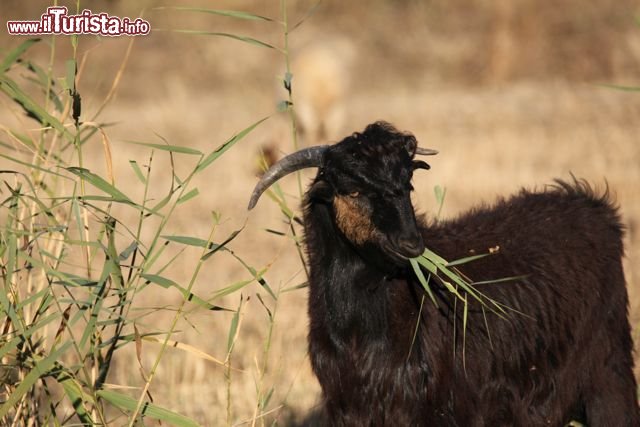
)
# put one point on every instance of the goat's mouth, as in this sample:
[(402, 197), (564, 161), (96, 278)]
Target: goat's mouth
[(402, 256)]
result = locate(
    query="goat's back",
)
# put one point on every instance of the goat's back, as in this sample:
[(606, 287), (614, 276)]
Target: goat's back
[(563, 341)]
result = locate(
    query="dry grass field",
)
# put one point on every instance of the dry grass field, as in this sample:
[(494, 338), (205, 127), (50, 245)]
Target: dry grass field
[(511, 93)]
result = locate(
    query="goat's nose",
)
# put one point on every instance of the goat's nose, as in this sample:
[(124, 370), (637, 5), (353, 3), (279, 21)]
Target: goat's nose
[(410, 247)]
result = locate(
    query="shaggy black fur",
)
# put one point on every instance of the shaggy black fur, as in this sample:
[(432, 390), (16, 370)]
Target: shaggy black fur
[(566, 354)]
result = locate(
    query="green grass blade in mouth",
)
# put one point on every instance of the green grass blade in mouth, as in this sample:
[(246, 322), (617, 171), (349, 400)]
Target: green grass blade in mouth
[(424, 281)]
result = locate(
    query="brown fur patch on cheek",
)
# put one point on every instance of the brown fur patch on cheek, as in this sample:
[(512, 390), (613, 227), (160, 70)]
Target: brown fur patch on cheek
[(353, 220)]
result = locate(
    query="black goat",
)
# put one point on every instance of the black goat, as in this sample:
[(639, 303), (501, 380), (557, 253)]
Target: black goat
[(563, 352)]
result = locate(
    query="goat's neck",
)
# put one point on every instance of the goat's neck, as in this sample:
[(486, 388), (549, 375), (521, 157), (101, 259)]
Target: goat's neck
[(348, 297)]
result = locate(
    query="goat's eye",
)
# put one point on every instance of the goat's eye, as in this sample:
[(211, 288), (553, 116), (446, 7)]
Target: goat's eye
[(354, 194)]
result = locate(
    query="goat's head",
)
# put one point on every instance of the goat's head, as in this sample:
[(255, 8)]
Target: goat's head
[(366, 180)]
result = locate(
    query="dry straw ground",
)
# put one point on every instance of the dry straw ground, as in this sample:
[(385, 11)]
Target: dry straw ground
[(507, 91)]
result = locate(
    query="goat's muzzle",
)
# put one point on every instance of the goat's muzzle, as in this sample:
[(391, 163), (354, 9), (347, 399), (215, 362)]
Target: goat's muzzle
[(409, 247), (402, 249)]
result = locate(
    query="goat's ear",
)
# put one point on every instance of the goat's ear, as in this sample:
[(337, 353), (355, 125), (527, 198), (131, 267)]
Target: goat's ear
[(419, 164), (410, 144), (320, 190)]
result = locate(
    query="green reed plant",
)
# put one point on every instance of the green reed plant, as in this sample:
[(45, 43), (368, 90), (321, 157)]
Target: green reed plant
[(72, 268)]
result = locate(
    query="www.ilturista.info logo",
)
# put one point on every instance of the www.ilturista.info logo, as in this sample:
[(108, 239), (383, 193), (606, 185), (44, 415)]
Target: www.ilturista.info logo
[(57, 21)]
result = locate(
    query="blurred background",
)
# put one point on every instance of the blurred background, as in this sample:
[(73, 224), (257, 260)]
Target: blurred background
[(512, 93)]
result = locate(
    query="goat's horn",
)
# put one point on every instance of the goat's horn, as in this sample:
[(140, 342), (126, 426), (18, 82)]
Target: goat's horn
[(426, 151), (305, 158)]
